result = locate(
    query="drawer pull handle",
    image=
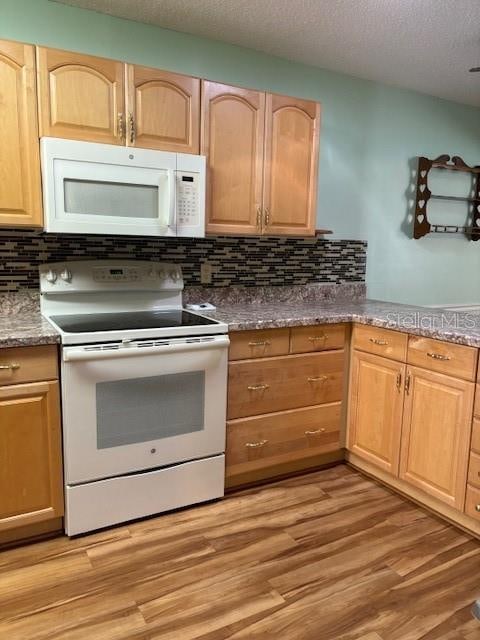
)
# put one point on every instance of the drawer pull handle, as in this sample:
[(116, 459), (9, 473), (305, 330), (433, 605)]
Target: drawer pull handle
[(316, 338), (317, 378), (316, 432), (477, 508), (258, 387), (256, 445), (260, 343), (381, 343), (438, 356), (13, 366)]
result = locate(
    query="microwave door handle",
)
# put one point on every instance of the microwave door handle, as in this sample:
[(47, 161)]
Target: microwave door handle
[(172, 221)]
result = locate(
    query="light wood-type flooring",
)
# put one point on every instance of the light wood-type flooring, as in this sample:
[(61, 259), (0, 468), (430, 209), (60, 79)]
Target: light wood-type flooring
[(327, 555)]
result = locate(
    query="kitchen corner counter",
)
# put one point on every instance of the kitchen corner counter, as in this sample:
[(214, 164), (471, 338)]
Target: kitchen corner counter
[(22, 324), (442, 324)]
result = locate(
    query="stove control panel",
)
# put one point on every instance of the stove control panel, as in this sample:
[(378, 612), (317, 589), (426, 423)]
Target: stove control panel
[(110, 275), (116, 274)]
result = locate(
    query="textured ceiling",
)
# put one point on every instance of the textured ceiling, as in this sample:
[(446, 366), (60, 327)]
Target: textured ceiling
[(425, 45)]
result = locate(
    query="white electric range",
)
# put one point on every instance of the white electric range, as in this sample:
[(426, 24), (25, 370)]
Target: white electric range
[(144, 386)]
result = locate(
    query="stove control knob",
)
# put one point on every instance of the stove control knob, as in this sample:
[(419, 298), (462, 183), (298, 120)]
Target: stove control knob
[(51, 276), (162, 274), (66, 275), (152, 273), (174, 274)]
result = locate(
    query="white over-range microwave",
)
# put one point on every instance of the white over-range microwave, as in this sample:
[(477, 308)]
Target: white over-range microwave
[(101, 188)]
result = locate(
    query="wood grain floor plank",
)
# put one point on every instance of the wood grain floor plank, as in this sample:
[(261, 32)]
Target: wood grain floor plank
[(329, 555)]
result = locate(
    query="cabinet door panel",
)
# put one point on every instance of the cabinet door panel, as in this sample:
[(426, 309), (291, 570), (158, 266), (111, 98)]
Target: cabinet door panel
[(376, 408), (165, 108), (81, 97), (20, 191), (233, 139), (31, 484), (436, 434), (291, 165)]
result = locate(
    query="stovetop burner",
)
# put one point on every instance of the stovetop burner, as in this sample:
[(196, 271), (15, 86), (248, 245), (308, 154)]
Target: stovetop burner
[(92, 322)]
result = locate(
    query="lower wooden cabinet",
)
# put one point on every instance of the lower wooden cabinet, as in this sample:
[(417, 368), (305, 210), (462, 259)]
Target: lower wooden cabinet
[(376, 409), (412, 426), (277, 384), (284, 438), (31, 478), (285, 401), (436, 434)]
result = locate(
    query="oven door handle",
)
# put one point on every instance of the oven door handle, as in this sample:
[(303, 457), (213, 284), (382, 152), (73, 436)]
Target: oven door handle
[(75, 354)]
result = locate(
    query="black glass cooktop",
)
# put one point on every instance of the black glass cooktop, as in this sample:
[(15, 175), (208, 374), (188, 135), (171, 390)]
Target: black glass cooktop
[(91, 322)]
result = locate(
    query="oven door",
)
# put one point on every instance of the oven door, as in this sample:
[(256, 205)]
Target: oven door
[(142, 405)]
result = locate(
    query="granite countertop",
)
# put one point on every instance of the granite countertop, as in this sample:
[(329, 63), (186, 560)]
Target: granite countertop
[(21, 323), (270, 307), (461, 328)]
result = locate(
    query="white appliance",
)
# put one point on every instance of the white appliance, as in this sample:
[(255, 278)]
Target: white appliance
[(109, 189), (144, 386)]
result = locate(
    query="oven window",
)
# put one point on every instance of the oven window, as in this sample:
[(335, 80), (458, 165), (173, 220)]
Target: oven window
[(96, 198), (144, 409)]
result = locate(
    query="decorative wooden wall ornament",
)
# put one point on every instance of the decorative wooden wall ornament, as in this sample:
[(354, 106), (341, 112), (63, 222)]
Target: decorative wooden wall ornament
[(421, 225)]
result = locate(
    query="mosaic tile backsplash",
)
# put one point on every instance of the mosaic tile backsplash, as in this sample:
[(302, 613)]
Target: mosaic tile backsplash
[(235, 260)]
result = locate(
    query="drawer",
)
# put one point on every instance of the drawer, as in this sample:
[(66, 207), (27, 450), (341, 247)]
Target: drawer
[(290, 382), (258, 344), (476, 409), (472, 502), (382, 342), (453, 359), (317, 338), (28, 364), (474, 470), (476, 436), (264, 441)]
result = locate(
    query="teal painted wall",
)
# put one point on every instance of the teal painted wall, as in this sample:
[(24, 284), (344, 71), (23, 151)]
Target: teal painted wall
[(370, 134)]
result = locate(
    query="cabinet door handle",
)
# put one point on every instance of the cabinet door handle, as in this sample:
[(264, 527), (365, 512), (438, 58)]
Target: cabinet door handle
[(256, 445), (131, 124), (437, 356), (267, 217), (258, 387), (259, 343), (259, 218), (11, 366), (407, 383), (121, 126), (477, 507), (314, 433), (317, 378), (399, 380), (381, 343)]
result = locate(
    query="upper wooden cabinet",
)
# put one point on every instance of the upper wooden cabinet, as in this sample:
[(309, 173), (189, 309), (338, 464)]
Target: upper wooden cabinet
[(376, 408), (20, 190), (262, 156), (163, 110), (81, 97), (233, 133), (436, 434), (291, 165)]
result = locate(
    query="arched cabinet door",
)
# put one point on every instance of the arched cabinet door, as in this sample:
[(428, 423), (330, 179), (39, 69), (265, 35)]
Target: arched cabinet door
[(81, 97), (20, 192), (233, 131), (163, 110), (291, 165)]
